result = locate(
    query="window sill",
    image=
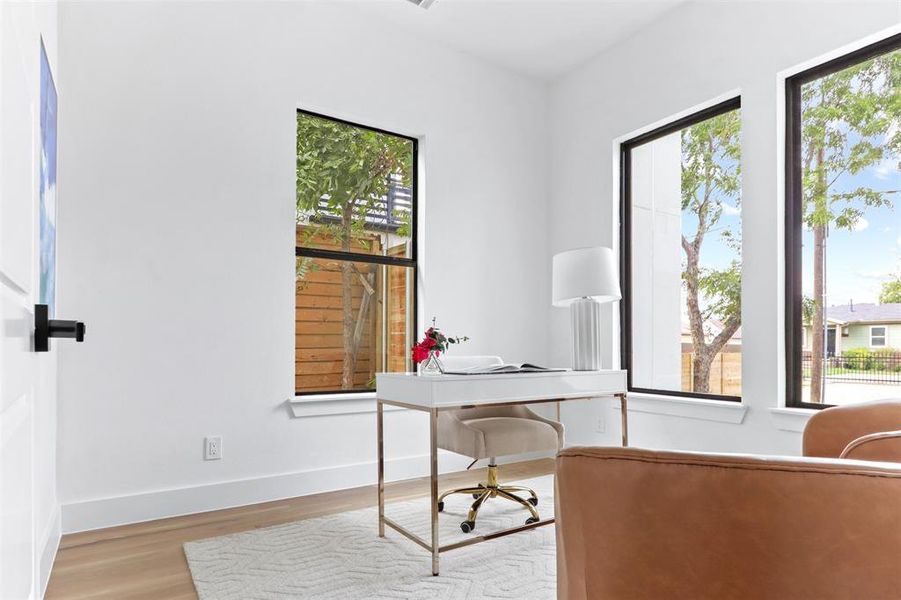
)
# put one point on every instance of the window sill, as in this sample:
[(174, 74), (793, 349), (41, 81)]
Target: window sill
[(690, 408), (791, 419), (323, 405)]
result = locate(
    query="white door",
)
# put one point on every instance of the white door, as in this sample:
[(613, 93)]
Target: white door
[(28, 508)]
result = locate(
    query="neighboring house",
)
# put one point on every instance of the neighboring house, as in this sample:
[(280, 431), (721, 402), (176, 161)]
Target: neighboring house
[(873, 326)]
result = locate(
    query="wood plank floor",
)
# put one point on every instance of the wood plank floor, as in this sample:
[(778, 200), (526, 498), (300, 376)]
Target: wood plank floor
[(146, 560)]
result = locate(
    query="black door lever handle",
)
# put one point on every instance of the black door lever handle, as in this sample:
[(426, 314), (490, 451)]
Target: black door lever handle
[(46, 328)]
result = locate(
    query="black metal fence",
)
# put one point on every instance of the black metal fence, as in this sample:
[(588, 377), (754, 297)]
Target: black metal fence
[(858, 368)]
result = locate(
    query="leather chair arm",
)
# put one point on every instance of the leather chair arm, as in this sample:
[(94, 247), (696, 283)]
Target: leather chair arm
[(644, 525), (882, 446), (830, 431)]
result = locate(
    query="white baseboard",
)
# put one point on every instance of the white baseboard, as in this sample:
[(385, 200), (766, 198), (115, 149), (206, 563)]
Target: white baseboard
[(49, 541), (148, 506)]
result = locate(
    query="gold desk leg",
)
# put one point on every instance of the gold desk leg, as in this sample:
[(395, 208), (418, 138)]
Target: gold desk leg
[(624, 409), (433, 454), (380, 435)]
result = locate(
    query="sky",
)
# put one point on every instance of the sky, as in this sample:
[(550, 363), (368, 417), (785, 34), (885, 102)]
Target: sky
[(857, 262), (860, 260)]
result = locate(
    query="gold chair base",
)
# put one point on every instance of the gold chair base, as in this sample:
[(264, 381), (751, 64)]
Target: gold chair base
[(491, 489)]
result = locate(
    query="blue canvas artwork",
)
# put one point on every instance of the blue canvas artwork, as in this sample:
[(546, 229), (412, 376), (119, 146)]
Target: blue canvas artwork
[(47, 201)]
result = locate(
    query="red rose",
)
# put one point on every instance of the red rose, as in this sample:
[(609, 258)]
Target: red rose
[(429, 342), (420, 353)]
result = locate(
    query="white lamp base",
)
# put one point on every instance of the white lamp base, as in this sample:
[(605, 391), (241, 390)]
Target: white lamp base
[(586, 325)]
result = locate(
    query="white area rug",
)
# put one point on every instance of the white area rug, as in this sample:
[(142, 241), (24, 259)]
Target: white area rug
[(341, 556)]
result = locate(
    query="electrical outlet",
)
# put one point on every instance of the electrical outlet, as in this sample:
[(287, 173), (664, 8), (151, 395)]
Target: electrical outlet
[(212, 448), (601, 426)]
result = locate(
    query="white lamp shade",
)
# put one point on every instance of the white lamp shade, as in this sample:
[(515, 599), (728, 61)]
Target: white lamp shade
[(585, 273)]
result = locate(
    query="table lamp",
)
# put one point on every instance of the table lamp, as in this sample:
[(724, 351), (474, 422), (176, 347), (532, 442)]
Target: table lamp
[(583, 279)]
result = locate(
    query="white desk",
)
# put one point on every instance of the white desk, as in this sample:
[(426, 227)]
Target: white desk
[(436, 393)]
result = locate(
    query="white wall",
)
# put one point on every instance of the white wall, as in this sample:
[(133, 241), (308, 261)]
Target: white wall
[(657, 264), (177, 137), (29, 508), (695, 54), (178, 165)]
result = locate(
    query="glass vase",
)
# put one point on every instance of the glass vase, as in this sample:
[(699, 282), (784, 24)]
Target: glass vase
[(431, 366)]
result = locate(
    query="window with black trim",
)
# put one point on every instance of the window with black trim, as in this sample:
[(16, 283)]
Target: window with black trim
[(681, 253), (355, 252), (843, 228)]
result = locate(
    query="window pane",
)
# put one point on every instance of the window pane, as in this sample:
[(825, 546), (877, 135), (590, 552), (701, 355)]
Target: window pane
[(851, 233), (354, 188), (352, 320), (685, 213), (877, 336)]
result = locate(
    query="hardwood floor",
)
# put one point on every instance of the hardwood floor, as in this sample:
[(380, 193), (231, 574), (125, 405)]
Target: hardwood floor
[(146, 560)]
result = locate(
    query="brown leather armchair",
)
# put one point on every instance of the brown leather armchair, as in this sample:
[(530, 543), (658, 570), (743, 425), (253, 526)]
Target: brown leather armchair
[(683, 525), (866, 431)]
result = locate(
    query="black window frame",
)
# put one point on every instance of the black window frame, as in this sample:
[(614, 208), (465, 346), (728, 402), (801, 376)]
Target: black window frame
[(625, 196), (793, 208), (391, 261)]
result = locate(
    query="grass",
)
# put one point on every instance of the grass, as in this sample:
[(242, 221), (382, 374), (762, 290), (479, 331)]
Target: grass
[(846, 371)]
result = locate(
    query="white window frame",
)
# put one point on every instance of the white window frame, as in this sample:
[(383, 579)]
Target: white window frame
[(884, 336)]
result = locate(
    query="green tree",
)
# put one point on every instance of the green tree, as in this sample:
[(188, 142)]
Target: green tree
[(344, 172), (807, 308), (711, 176), (891, 291), (849, 121)]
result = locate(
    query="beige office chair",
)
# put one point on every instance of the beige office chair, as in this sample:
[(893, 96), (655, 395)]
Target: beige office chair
[(489, 432)]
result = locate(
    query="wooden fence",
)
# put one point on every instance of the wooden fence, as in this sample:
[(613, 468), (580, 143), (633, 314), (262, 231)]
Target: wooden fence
[(400, 335), (319, 316), (725, 373)]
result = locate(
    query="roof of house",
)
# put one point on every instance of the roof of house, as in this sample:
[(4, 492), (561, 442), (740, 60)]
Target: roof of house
[(865, 313)]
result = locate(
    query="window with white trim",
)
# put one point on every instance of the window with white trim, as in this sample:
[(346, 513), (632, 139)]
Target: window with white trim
[(878, 336), (355, 249), (681, 242), (843, 150)]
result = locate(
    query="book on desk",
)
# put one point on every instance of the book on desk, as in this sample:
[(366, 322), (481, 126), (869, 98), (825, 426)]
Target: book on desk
[(501, 369)]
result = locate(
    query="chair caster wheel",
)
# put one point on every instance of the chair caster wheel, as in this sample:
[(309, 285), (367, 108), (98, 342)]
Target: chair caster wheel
[(441, 507), (531, 520), (476, 496), (533, 501), (467, 526)]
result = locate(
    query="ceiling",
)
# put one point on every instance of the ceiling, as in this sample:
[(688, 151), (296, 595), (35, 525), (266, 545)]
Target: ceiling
[(539, 38)]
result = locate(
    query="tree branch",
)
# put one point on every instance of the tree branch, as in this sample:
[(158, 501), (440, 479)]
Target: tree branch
[(729, 328)]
